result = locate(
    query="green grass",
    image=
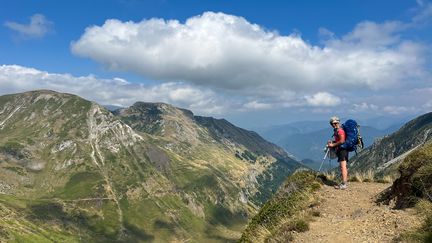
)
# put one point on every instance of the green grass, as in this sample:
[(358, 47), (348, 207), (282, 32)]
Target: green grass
[(41, 236), (270, 181), (109, 224), (222, 215), (61, 215), (164, 219), (103, 223), (19, 170), (169, 219), (19, 224), (82, 185)]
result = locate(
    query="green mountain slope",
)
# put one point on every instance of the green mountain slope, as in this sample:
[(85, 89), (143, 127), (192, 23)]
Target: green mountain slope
[(199, 139), (386, 154), (151, 172)]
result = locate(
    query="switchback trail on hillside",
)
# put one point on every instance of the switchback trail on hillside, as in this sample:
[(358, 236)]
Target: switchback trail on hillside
[(352, 215)]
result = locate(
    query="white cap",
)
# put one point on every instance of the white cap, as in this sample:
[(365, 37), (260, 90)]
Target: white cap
[(334, 119)]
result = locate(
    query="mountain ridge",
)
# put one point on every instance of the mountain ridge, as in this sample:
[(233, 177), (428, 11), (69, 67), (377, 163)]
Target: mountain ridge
[(148, 172), (385, 154)]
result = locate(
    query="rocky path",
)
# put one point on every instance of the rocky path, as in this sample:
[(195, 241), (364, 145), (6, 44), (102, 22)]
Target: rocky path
[(352, 216)]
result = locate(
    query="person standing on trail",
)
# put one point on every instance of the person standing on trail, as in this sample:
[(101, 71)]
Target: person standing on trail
[(341, 153)]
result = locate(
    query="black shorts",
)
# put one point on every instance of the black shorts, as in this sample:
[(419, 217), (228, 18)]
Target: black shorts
[(342, 154)]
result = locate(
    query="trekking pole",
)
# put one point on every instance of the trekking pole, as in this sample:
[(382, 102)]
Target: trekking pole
[(322, 162), (329, 156)]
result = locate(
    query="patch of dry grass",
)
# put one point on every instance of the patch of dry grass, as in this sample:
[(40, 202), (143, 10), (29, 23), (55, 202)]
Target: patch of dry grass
[(385, 179), (330, 175), (424, 233), (370, 176)]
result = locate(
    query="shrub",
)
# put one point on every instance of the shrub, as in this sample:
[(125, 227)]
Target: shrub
[(316, 213), (354, 179), (300, 225)]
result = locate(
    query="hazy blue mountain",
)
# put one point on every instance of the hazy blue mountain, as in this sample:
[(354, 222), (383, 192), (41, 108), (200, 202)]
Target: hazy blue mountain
[(112, 107), (276, 133), (387, 122)]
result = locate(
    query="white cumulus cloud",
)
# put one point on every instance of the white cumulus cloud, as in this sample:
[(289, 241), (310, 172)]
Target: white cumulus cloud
[(229, 52), (323, 99), (363, 107), (257, 105), (14, 79), (428, 105), (38, 27), (397, 110)]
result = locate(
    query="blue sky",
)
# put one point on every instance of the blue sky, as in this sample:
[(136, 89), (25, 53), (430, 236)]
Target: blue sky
[(253, 62)]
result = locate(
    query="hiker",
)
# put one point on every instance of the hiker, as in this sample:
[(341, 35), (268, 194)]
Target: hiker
[(341, 153)]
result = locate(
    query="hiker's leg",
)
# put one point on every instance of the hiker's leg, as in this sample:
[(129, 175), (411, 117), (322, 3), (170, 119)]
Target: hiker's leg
[(344, 171)]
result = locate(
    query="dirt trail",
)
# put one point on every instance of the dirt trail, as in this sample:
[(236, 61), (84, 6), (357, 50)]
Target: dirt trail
[(352, 216)]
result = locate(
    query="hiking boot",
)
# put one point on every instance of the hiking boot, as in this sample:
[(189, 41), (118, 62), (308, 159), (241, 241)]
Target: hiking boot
[(341, 186)]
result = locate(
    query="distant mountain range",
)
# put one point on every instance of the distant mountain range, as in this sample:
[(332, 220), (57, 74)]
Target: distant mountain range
[(73, 171)]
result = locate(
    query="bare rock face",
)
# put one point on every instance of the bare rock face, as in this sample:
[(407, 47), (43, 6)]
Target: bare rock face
[(148, 172)]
